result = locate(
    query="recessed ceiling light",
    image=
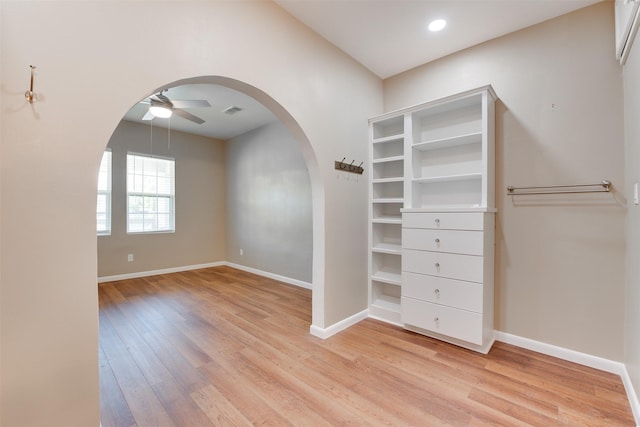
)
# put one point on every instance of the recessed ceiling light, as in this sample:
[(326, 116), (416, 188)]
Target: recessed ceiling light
[(437, 25)]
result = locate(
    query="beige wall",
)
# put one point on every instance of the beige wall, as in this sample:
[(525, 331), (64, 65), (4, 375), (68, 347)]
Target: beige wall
[(269, 204), (200, 234), (632, 172), (95, 60), (560, 260), (1, 145)]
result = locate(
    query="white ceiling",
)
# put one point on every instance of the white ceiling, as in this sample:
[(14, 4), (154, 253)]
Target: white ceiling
[(390, 36), (386, 36), (217, 124)]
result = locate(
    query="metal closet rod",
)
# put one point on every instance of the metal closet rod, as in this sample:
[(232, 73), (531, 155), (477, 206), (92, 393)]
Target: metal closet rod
[(605, 187)]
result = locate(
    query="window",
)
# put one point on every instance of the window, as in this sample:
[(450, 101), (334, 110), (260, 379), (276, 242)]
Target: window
[(150, 194), (103, 208)]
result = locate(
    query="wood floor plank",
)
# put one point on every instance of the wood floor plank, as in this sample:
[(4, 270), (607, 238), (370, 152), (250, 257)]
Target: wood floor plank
[(224, 347), (143, 403), (513, 409), (218, 408), (569, 400), (239, 391), (182, 409), (113, 405)]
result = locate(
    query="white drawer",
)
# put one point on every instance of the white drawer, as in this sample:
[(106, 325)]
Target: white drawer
[(460, 324), (444, 220), (453, 266), (453, 241), (439, 290)]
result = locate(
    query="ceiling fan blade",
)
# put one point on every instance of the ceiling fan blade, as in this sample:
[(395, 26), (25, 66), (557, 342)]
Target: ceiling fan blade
[(163, 99), (188, 116), (148, 116), (190, 103)]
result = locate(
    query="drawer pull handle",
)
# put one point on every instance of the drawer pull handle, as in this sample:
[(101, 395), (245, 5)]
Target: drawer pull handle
[(435, 319), (437, 266), (438, 242), (437, 292), (437, 222)]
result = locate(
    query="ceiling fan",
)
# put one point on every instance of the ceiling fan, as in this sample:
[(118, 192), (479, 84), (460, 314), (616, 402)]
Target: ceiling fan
[(163, 107)]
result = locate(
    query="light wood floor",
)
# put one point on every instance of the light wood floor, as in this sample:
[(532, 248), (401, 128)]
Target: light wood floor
[(226, 348)]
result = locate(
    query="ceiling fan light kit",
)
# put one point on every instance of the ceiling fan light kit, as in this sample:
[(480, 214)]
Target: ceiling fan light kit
[(161, 106), (160, 111)]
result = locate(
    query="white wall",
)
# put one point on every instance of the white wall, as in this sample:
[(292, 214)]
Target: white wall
[(560, 261), (631, 75), (269, 203), (200, 227), (95, 60)]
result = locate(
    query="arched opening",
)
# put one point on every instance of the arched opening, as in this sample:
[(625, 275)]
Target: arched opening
[(308, 155)]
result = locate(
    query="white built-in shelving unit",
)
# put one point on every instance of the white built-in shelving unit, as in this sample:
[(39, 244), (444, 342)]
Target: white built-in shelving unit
[(432, 218), (387, 199)]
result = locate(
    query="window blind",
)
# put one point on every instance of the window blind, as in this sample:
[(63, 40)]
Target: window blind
[(103, 207), (150, 194)]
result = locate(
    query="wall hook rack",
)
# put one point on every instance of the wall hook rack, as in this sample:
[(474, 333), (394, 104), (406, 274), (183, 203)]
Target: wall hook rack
[(30, 95), (349, 167)]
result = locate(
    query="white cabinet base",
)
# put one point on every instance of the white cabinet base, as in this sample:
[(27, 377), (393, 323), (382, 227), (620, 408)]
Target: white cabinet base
[(484, 348)]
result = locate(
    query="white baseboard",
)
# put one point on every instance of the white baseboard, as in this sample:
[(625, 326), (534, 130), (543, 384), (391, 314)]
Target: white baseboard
[(632, 396), (277, 277), (337, 327), (595, 362), (561, 353), (139, 274)]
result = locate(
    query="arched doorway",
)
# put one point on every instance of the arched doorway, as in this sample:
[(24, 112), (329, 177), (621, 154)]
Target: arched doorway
[(317, 199)]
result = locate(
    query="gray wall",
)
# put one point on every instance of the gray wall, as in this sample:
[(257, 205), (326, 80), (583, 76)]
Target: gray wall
[(200, 235), (632, 172), (269, 203), (560, 261), (256, 197)]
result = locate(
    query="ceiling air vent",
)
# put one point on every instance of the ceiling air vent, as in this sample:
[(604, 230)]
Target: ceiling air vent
[(232, 110)]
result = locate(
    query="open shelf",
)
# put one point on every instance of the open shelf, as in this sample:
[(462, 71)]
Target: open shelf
[(388, 148), (392, 127), (387, 212), (455, 160), (391, 138), (388, 200), (386, 268), (450, 192), (387, 180), (387, 190), (447, 178), (385, 234), (389, 168), (388, 159), (387, 248), (452, 141), (385, 302)]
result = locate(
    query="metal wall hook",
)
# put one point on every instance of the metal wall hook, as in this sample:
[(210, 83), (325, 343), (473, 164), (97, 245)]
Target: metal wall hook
[(30, 94)]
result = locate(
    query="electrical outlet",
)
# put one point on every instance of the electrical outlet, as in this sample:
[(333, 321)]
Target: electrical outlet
[(130, 257), (241, 252)]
